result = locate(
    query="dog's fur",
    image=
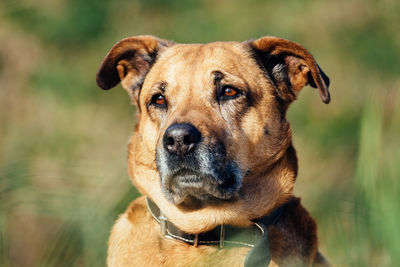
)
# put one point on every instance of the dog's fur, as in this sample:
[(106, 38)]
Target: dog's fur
[(243, 167)]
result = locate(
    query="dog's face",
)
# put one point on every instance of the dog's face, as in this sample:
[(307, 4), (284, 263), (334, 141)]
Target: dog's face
[(201, 111), (211, 125)]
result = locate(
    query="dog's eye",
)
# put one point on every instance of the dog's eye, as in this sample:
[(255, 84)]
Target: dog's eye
[(228, 91), (158, 100)]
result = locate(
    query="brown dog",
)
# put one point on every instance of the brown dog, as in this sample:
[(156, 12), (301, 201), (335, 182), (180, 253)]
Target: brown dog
[(212, 151)]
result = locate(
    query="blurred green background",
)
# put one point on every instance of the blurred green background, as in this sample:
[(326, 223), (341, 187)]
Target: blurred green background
[(63, 173)]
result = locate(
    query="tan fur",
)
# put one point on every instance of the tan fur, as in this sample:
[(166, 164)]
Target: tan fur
[(269, 159)]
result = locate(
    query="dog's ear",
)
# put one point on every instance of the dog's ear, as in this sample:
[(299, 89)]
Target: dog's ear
[(129, 61), (290, 66)]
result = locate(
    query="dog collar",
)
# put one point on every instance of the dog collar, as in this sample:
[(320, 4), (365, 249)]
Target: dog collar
[(255, 237)]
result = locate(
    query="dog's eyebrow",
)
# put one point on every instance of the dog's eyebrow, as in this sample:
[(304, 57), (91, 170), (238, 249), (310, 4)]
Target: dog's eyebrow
[(229, 78), (161, 86), (218, 76)]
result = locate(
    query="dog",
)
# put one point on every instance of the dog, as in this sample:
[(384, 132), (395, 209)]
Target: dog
[(212, 153)]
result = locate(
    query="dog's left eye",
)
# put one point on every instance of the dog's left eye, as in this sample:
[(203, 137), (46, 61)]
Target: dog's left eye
[(229, 92)]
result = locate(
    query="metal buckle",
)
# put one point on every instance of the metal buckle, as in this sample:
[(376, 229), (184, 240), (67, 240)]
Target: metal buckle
[(163, 226), (196, 240), (164, 231), (222, 236)]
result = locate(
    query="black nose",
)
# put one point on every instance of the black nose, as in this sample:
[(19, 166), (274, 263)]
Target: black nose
[(181, 138)]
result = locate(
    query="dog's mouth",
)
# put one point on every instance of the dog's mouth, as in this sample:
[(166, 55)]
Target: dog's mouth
[(193, 189), (198, 180)]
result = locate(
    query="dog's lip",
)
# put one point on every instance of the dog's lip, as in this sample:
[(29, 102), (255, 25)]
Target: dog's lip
[(186, 176)]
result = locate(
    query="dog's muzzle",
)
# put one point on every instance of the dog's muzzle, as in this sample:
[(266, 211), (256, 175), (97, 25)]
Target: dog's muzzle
[(194, 170)]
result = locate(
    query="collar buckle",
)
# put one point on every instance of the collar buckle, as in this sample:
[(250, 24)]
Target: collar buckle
[(196, 240), (222, 236), (163, 226), (165, 233)]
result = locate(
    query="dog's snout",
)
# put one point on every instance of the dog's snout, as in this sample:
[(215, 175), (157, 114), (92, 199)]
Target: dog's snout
[(181, 138)]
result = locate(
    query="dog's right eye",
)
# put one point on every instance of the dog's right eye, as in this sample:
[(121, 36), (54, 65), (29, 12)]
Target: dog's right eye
[(158, 100)]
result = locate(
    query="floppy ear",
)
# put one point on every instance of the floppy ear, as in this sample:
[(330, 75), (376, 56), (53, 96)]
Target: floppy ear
[(129, 61), (290, 66)]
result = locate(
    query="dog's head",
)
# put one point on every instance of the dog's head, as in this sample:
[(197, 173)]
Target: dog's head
[(212, 143)]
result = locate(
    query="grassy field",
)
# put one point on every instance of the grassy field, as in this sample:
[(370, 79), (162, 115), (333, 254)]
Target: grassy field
[(63, 174)]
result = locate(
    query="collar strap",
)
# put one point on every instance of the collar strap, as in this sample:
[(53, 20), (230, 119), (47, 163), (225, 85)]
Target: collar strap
[(222, 235)]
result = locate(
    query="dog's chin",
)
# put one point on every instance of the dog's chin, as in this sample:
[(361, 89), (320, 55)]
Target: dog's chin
[(189, 190)]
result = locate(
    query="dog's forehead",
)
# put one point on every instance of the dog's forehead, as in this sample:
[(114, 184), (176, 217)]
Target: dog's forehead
[(196, 63), (191, 53), (183, 58)]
